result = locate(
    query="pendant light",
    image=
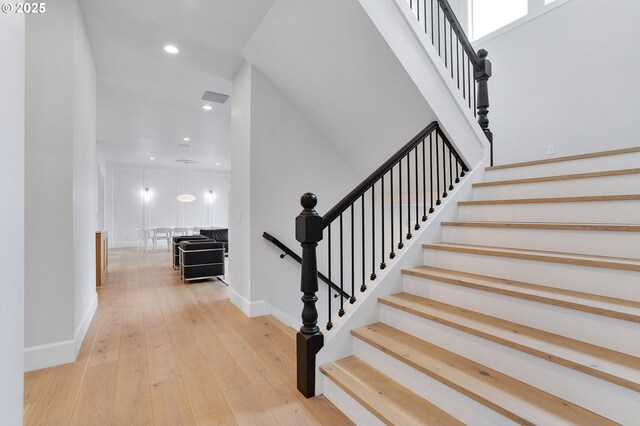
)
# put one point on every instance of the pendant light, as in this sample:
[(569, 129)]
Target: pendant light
[(186, 197)]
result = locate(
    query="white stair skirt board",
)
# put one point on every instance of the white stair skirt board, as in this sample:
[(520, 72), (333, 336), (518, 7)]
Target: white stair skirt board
[(586, 279), (609, 243), (627, 211), (348, 405), (604, 398), (605, 185), (453, 402), (610, 333), (57, 353), (587, 165)]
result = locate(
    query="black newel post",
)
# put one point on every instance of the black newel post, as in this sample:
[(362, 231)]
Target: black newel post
[(309, 339), (482, 73)]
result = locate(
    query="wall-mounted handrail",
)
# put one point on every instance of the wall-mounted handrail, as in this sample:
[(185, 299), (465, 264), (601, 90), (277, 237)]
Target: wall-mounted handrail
[(288, 252)]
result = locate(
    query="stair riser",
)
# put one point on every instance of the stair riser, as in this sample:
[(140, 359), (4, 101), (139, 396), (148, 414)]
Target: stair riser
[(586, 279), (588, 165), (591, 328), (351, 408), (604, 398), (572, 212), (623, 184), (620, 244), (458, 405)]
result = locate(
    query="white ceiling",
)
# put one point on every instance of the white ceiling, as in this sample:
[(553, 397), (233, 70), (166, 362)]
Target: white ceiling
[(149, 100)]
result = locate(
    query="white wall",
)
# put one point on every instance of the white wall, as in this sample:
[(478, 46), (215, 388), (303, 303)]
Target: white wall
[(60, 191), (12, 47), (279, 158), (126, 210), (240, 197), (566, 78), (85, 175)]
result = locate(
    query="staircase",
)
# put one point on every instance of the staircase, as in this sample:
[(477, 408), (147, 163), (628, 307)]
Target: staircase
[(528, 311)]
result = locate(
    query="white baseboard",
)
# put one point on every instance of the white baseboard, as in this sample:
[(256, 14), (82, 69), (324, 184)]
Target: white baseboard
[(261, 307), (62, 352)]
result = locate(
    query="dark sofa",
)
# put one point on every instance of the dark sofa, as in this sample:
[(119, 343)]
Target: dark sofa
[(220, 235), (178, 240), (201, 259)]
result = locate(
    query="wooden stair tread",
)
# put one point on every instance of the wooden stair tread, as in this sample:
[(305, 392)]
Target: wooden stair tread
[(510, 397), (606, 364), (620, 172), (626, 264), (566, 158), (388, 400), (617, 227), (581, 199), (600, 305)]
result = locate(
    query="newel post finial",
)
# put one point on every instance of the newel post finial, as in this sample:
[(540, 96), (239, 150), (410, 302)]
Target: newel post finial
[(482, 73), (309, 339)]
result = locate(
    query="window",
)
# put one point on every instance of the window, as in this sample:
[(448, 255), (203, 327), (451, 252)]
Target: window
[(490, 15)]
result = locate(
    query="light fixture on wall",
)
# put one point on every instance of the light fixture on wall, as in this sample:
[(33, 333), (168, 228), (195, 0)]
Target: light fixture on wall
[(211, 196), (147, 195)]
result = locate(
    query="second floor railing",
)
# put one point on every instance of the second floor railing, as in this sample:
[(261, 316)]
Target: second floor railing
[(366, 229), (469, 70)]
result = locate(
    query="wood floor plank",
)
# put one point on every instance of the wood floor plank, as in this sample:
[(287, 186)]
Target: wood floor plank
[(248, 408), (170, 404), (132, 404), (95, 401), (159, 351)]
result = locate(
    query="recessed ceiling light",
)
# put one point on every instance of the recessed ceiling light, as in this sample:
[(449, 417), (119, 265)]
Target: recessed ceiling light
[(207, 107), (217, 164), (170, 48), (152, 158), (186, 139)]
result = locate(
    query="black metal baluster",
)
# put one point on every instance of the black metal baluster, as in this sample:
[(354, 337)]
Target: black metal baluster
[(382, 264), (437, 170), (424, 7), (475, 109), (329, 323), (469, 79), (408, 196), (451, 47), (444, 168), (373, 233), (464, 86), (431, 209), (450, 170), (392, 254), (457, 170), (433, 42), (418, 9), (458, 63), (438, 11), (400, 244), (424, 182), (352, 300), (363, 287), (444, 29), (341, 311), (417, 191)]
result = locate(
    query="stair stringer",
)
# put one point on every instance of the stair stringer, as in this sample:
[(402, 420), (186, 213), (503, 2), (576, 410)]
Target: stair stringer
[(338, 342), (404, 35)]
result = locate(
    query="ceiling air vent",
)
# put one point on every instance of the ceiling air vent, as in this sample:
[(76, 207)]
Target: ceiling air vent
[(214, 97), (186, 161)]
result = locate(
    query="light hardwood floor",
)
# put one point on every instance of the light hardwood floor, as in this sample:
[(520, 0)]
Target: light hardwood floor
[(162, 352)]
